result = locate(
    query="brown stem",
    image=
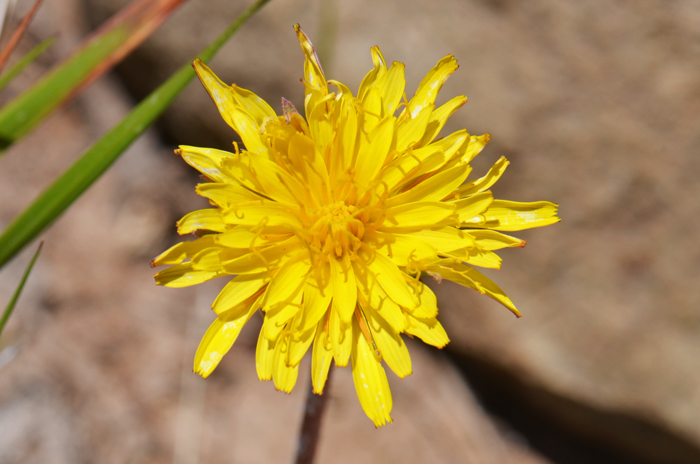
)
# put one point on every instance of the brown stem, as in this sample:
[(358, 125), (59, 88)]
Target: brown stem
[(18, 33), (311, 427)]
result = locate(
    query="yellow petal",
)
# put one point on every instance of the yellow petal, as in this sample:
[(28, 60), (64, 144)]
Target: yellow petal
[(377, 74), (439, 117), (316, 105), (392, 348), (182, 275), (219, 92), (214, 259), (478, 257), (484, 183), (346, 142), (238, 290), (403, 250), (514, 215), (182, 251), (483, 258), (273, 216), (427, 329), (370, 380), (310, 165), (419, 161), (421, 215), (224, 195), (219, 338), (428, 302), (287, 283), (225, 99), (431, 84), (321, 358), (475, 146), (237, 238), (372, 295), (277, 183), (394, 87), (318, 292), (344, 93), (341, 339), (313, 72), (283, 375), (207, 161), (409, 166), (253, 105), (300, 150), (344, 288), (434, 188), (319, 117), (470, 209), (203, 219), (241, 238), (372, 109), (249, 131), (266, 259), (371, 158), (492, 240), (446, 239), (239, 169), (472, 278), (390, 278), (279, 131), (230, 167), (264, 356), (410, 131), (299, 344), (276, 319), (270, 179), (454, 146)]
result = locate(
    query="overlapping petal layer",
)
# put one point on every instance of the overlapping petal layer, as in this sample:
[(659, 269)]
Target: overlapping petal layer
[(326, 223)]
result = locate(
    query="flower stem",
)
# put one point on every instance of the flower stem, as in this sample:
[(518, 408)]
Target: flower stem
[(311, 426)]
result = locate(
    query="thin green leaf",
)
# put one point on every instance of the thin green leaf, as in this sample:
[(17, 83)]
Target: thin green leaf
[(106, 47), (18, 33), (11, 305), (74, 181), (27, 59)]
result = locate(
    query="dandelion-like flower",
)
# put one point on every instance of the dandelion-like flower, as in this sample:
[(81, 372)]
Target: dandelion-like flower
[(327, 224)]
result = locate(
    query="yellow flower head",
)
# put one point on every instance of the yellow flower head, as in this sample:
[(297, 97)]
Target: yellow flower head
[(328, 222)]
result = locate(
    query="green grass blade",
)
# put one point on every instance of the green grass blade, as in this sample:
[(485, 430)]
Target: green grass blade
[(18, 33), (27, 59), (13, 301), (76, 179), (104, 49)]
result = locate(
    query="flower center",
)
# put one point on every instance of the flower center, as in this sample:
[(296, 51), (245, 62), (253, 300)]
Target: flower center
[(336, 230)]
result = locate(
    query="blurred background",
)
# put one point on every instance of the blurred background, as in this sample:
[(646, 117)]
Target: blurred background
[(597, 106)]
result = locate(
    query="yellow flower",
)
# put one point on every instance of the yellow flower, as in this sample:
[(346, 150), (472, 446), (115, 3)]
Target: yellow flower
[(328, 222)]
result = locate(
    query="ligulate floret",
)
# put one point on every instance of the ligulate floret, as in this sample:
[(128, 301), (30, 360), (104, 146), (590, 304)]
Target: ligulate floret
[(327, 222)]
